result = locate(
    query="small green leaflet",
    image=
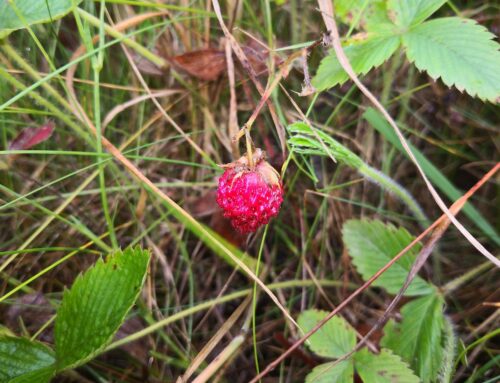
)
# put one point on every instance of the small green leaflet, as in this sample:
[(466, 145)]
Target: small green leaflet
[(95, 307), (411, 12), (332, 340), (383, 368), (460, 52), (342, 372), (21, 358), (372, 244), (33, 12), (417, 339), (363, 56)]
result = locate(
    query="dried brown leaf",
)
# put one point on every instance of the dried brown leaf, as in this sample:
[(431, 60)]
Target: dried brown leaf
[(205, 64), (209, 64)]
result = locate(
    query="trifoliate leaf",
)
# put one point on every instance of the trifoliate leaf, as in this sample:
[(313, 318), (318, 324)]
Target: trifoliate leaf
[(411, 12), (363, 56), (333, 340), (341, 372), (460, 52), (21, 358), (382, 368), (372, 244), (95, 307), (417, 339)]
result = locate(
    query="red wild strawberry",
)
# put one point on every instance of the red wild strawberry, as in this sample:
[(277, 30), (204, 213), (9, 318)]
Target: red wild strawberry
[(250, 197)]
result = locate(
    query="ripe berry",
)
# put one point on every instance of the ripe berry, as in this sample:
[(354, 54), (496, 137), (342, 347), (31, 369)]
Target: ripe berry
[(250, 197)]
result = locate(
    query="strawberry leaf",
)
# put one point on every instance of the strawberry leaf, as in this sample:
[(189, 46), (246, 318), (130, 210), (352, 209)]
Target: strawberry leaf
[(372, 244), (363, 56), (32, 12), (23, 360), (417, 339), (332, 340), (412, 12), (329, 373), (95, 307), (383, 368), (460, 52)]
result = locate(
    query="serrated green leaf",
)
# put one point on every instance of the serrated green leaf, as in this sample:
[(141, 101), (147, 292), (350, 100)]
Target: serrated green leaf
[(21, 358), (372, 244), (412, 12), (384, 367), (333, 340), (342, 372), (33, 12), (363, 56), (460, 52), (95, 307), (417, 339)]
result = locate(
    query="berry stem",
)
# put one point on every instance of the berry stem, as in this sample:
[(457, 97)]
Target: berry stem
[(283, 71), (248, 140)]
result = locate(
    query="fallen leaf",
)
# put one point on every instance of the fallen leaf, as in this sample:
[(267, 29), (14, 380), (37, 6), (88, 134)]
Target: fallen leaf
[(209, 64), (205, 64), (32, 136)]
